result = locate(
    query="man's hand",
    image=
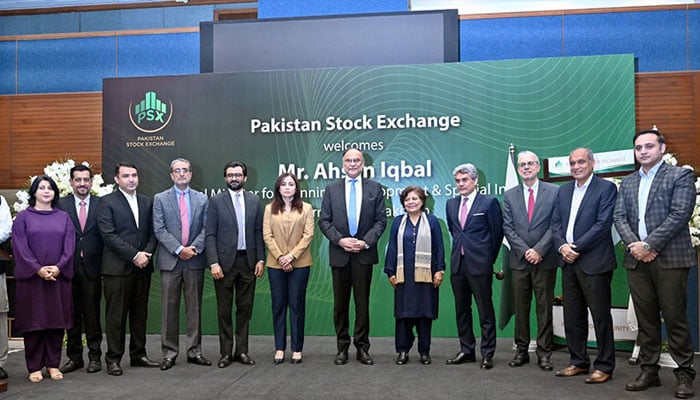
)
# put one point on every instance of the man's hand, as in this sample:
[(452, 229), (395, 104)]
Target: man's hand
[(640, 254), (216, 271), (259, 268), (142, 258), (570, 255), (187, 253), (437, 278), (351, 244), (533, 257)]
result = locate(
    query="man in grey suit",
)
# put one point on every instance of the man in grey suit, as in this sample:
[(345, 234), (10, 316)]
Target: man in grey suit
[(527, 212), (235, 253), (353, 218), (179, 219), (651, 215)]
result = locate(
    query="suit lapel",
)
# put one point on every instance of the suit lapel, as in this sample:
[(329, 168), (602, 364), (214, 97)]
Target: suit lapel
[(127, 208), (475, 204), (658, 178), (91, 215), (70, 200)]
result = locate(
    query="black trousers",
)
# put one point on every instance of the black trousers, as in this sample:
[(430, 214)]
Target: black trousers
[(354, 278), (240, 280), (87, 295), (126, 298)]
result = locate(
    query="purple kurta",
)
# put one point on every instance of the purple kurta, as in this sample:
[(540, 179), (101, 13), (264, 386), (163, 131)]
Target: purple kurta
[(42, 238)]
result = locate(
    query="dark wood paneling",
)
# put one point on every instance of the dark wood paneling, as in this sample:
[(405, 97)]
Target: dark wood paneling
[(4, 141)]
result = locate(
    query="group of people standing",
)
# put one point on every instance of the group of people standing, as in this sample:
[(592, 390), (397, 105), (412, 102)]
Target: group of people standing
[(65, 261)]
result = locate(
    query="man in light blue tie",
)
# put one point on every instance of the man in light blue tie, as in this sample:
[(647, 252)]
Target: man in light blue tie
[(353, 219)]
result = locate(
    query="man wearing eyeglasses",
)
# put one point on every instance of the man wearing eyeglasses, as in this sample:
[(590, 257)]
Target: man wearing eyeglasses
[(353, 218), (235, 252), (527, 212), (179, 220)]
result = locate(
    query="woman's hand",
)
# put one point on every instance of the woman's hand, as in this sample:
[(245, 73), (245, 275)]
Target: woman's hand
[(438, 278), (48, 272), (392, 280), (286, 262)]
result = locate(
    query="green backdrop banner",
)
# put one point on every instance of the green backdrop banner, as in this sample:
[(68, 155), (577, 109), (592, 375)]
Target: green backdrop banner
[(415, 123)]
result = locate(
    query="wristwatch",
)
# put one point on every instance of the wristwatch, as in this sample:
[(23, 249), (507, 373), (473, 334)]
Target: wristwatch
[(646, 246), (366, 246)]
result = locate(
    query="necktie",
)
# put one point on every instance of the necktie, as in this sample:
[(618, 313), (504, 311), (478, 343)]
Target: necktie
[(184, 220), (82, 215), (464, 212), (241, 224), (352, 208), (530, 205)]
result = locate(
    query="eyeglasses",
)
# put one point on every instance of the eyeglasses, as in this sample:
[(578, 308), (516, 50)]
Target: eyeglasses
[(234, 175), (527, 164), (181, 170), (352, 160)]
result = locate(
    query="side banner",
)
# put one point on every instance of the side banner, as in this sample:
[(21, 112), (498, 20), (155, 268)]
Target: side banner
[(415, 123)]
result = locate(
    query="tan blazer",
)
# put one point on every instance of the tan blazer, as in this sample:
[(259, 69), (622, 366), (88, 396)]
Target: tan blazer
[(291, 233)]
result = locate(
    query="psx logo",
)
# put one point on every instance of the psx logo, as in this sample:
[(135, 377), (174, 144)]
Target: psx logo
[(150, 114)]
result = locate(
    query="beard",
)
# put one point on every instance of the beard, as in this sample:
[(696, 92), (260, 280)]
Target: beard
[(236, 185)]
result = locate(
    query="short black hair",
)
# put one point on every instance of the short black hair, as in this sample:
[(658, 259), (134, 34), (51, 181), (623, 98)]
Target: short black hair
[(659, 136), (35, 186), (126, 165), (234, 164), (80, 168)]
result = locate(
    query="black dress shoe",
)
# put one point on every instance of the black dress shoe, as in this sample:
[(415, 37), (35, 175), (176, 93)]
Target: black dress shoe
[(644, 381), (243, 358), (199, 360), (402, 358), (545, 363), (225, 361), (94, 366), (364, 358), (278, 361), (3, 373), (425, 359), (296, 360), (487, 363), (114, 369), (519, 359), (341, 358), (684, 389), (460, 358), (166, 364), (144, 362), (72, 365)]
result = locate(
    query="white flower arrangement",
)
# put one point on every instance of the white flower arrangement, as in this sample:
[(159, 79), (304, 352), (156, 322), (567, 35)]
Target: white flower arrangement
[(59, 171)]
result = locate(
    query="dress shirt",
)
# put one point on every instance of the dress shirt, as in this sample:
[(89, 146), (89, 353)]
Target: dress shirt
[(77, 203), (358, 197), (470, 201), (241, 235), (526, 192), (576, 199), (133, 204), (645, 181), (178, 193)]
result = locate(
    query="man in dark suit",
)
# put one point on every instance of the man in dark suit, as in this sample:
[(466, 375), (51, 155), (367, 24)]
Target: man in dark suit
[(581, 229), (235, 254), (179, 218), (125, 219), (651, 215), (353, 217), (87, 263), (476, 225), (527, 213)]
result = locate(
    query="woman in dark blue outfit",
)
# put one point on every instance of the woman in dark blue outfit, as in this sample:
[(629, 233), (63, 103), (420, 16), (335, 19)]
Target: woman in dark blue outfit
[(415, 265)]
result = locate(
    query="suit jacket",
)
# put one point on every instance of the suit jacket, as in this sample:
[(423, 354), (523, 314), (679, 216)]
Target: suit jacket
[(592, 226), (523, 235), (481, 236), (333, 221), (122, 238), (669, 208), (222, 230), (88, 241), (167, 229), (294, 236)]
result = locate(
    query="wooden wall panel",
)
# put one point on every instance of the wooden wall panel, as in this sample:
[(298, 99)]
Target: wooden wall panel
[(50, 127), (669, 101), (38, 129)]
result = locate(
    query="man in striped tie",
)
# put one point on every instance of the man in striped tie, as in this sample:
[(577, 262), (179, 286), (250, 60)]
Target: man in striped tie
[(353, 218)]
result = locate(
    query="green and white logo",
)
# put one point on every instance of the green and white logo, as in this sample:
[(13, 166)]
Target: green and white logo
[(150, 114)]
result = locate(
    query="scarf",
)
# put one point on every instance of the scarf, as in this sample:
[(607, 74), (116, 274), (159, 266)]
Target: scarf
[(423, 272)]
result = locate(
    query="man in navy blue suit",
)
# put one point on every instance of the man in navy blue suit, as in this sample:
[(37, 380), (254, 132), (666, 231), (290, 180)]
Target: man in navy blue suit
[(476, 225), (581, 230)]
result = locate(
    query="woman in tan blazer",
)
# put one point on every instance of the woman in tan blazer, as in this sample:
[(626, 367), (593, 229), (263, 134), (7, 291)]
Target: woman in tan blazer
[(288, 228)]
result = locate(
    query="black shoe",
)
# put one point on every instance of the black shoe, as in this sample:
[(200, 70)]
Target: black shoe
[(278, 361), (296, 360), (487, 363), (94, 366), (460, 358), (72, 365), (684, 389), (341, 358), (166, 364), (3, 373), (425, 359), (644, 381), (519, 359), (199, 360), (144, 362), (114, 369), (364, 358), (243, 358), (545, 363), (225, 361), (402, 358)]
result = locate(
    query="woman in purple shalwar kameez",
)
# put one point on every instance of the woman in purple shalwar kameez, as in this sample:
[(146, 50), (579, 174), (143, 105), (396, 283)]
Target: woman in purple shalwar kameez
[(43, 241)]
